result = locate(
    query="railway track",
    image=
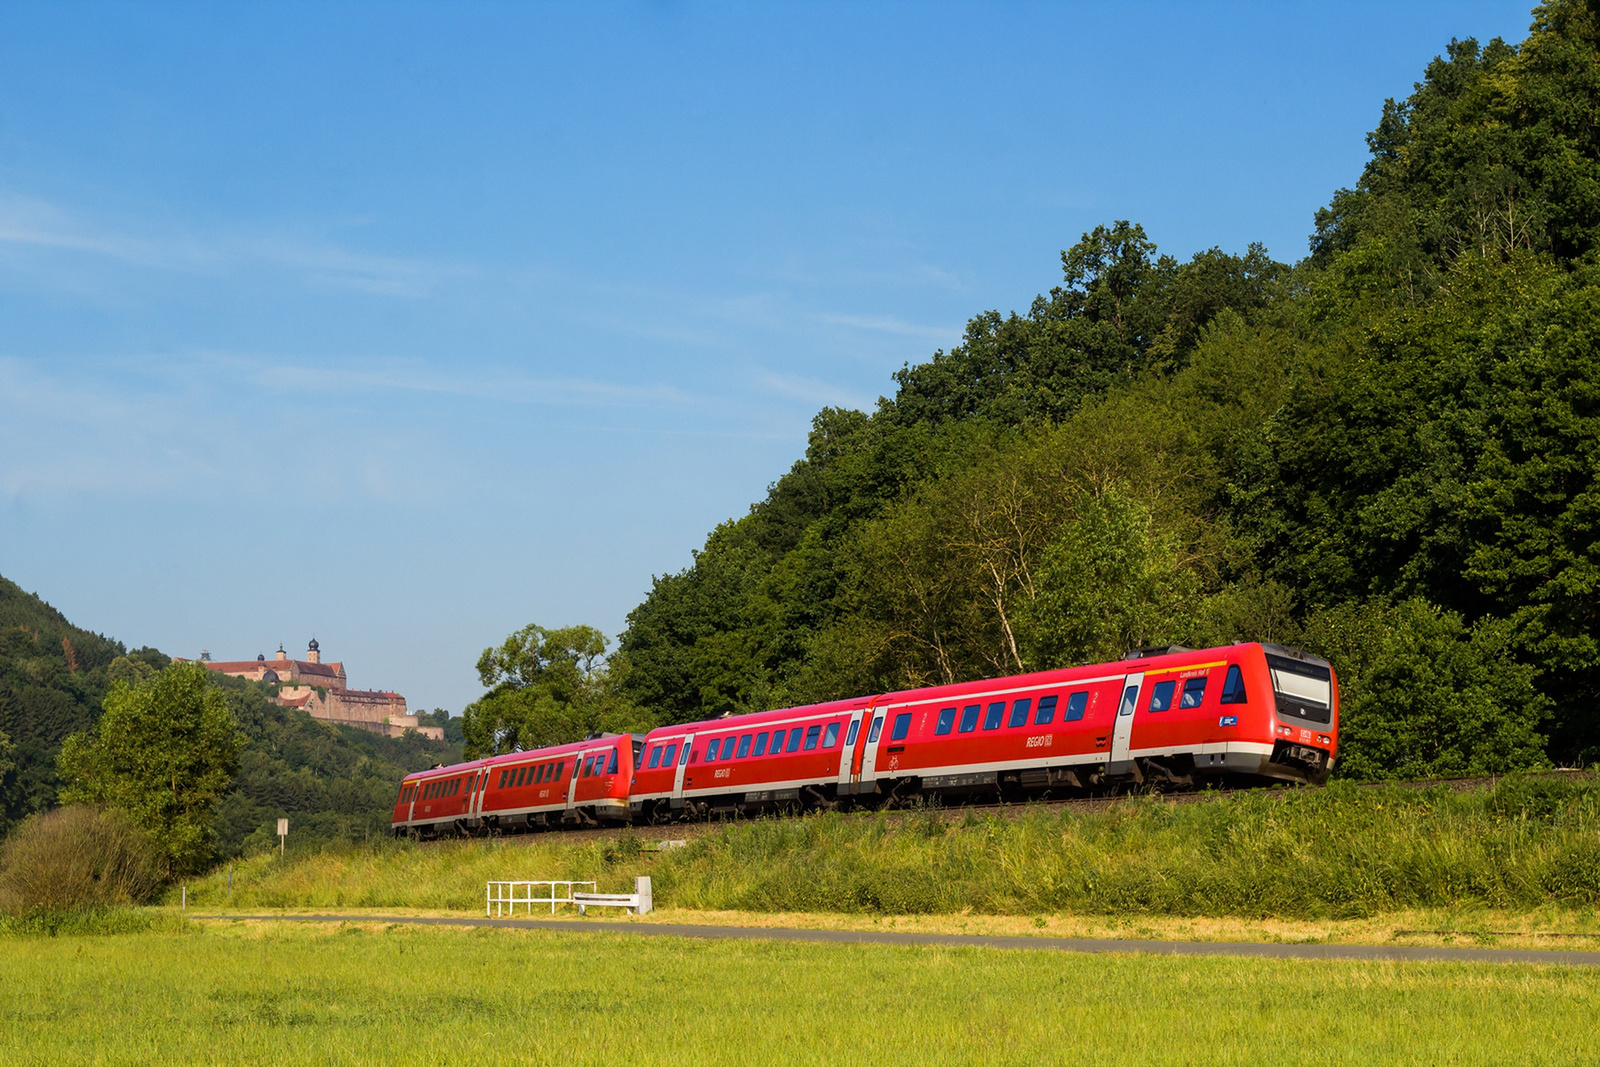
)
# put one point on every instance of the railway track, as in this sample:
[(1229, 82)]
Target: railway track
[(1006, 809)]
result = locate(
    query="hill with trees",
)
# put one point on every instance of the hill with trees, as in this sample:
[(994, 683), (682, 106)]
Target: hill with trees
[(331, 781), (1384, 453)]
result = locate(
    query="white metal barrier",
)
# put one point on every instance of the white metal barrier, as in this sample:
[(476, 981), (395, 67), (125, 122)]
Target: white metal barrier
[(640, 901), (499, 895)]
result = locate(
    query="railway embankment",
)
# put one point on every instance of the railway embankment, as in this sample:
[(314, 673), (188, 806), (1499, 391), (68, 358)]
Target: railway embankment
[(1518, 845)]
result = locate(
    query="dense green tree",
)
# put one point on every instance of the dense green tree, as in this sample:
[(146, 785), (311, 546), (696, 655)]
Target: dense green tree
[(164, 752), (1425, 695), (547, 687)]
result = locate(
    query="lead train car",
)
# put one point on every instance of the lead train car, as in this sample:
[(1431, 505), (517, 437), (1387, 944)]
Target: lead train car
[(1177, 716), (582, 783), (1251, 710)]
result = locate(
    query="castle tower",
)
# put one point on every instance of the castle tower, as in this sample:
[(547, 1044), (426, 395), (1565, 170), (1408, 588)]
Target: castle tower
[(313, 652)]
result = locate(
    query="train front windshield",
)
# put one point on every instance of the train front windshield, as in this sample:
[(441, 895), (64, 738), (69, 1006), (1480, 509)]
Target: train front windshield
[(1303, 690)]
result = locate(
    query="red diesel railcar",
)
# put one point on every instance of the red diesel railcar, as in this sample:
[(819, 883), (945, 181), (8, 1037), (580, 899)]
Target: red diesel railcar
[(583, 782), (1171, 715)]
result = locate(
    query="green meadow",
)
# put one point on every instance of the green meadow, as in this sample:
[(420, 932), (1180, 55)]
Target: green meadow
[(372, 993), (1342, 852)]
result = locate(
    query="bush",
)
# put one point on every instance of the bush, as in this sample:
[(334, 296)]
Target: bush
[(77, 859)]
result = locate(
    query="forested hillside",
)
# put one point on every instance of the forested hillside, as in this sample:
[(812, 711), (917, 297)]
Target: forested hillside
[(331, 781), (1384, 453)]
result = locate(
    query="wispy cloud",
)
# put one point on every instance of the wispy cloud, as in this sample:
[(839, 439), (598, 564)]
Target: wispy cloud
[(811, 391), (891, 325), (30, 226)]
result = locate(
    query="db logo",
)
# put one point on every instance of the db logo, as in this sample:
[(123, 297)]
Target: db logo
[(1041, 741)]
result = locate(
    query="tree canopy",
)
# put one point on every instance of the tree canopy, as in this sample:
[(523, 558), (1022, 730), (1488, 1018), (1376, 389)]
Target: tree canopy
[(1385, 453)]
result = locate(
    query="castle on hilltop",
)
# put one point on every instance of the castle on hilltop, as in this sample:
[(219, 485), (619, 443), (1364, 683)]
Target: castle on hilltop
[(319, 689)]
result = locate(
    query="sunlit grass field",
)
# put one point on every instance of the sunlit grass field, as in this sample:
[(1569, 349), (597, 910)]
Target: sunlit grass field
[(284, 993), (1337, 853)]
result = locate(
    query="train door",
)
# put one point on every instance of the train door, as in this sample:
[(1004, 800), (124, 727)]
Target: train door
[(1122, 731), (483, 786), (683, 768), (868, 760), (572, 783), (850, 754)]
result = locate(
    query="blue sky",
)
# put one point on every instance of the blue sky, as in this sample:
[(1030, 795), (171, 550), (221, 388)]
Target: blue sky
[(405, 325)]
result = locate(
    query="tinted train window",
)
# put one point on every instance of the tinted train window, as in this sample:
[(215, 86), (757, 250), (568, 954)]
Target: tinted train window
[(1161, 695), (947, 721), (526, 776), (655, 756), (831, 738), (1019, 712), (672, 750), (711, 750), (1075, 705), (560, 766), (812, 733), (1233, 686), (855, 726), (902, 726), (794, 738), (761, 744), (502, 783), (995, 715), (611, 767), (1130, 700), (1194, 691), (683, 757), (744, 745), (1046, 713), (877, 724), (544, 772)]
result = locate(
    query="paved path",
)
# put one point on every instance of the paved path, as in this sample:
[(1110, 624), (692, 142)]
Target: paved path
[(1057, 944)]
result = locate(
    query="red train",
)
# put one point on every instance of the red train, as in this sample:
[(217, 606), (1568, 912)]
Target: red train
[(1171, 716)]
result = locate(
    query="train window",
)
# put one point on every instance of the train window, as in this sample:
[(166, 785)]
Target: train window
[(969, 717), (683, 757), (711, 750), (812, 733), (1130, 700), (947, 721), (744, 745), (1161, 695), (1075, 705), (539, 773), (561, 765), (855, 726), (1233, 686), (611, 765), (1019, 712), (794, 738), (672, 750), (761, 744), (902, 726), (1046, 713), (655, 756), (831, 737), (872, 734), (502, 783), (525, 775), (588, 767), (995, 715), (1194, 691)]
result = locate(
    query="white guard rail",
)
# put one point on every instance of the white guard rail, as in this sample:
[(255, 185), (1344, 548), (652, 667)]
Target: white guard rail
[(500, 895)]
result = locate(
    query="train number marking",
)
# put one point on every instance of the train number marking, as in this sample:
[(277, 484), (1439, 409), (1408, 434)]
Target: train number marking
[(723, 772)]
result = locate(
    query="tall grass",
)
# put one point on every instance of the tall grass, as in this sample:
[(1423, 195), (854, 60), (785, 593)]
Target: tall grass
[(1340, 852)]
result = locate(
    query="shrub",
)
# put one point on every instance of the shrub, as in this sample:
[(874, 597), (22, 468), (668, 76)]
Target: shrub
[(77, 859)]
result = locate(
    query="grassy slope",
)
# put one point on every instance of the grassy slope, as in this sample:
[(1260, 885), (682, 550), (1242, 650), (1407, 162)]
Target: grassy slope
[(1339, 852), (286, 995)]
